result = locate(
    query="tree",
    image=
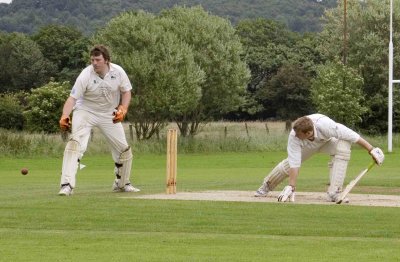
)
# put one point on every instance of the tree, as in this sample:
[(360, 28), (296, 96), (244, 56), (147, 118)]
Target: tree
[(166, 80), (65, 47), (22, 64), (217, 51), (367, 52), (288, 93), (270, 48), (266, 44), (337, 92)]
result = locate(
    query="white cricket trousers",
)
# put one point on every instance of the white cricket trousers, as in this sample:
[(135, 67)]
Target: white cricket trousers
[(84, 121), (82, 124)]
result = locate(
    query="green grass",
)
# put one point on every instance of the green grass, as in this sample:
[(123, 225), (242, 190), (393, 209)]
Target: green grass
[(97, 225)]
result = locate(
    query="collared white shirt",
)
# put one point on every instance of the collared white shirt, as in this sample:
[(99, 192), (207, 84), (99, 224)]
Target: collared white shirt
[(324, 129), (98, 95)]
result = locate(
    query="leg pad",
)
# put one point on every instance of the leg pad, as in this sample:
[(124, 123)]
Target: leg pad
[(339, 167), (276, 176), (123, 168)]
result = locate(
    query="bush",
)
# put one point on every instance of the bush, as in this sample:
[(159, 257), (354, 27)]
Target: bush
[(11, 112), (45, 107)]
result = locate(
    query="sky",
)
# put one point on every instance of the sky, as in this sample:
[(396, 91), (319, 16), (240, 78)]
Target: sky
[(5, 1)]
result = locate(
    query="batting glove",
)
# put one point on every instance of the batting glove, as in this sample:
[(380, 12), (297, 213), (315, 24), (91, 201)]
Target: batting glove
[(65, 123), (377, 155), (287, 194), (119, 114)]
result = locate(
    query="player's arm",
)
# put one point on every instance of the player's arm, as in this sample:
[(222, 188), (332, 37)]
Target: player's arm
[(375, 152), (68, 106), (294, 158), (293, 174), (365, 144), (126, 99), (344, 133), (65, 123)]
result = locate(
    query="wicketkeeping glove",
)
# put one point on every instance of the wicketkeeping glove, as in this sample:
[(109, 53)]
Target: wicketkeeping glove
[(119, 114), (287, 194), (65, 123), (377, 155)]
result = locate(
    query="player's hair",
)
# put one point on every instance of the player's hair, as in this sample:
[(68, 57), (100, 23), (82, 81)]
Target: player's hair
[(98, 50), (303, 125)]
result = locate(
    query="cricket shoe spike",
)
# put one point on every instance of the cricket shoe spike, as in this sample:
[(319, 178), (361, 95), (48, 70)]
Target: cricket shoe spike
[(66, 190)]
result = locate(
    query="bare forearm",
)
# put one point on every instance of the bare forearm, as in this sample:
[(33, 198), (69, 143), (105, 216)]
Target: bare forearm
[(364, 143), (68, 106), (126, 99), (293, 173)]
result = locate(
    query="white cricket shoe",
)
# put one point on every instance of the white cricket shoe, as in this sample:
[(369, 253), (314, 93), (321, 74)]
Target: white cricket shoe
[(334, 198), (66, 190), (127, 188), (261, 193), (130, 188)]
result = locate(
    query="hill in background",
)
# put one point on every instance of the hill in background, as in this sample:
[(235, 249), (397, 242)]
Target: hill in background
[(27, 16)]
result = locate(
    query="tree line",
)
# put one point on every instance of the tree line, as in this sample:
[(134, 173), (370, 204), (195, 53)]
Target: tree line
[(27, 16), (190, 66)]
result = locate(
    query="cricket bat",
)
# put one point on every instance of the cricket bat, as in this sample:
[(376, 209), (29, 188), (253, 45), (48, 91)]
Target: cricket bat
[(352, 183)]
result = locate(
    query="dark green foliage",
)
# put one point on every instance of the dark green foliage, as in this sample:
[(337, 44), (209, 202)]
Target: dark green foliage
[(282, 64), (22, 64), (288, 93), (65, 48), (11, 116), (28, 15)]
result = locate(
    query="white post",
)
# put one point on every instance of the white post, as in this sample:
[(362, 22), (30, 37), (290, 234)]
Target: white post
[(390, 97)]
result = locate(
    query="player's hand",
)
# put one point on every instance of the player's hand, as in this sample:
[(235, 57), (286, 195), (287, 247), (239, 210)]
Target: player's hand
[(65, 123), (287, 194), (119, 114), (377, 155)]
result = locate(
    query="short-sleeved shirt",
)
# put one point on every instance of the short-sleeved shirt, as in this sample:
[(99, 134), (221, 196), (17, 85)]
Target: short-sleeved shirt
[(98, 95), (324, 130)]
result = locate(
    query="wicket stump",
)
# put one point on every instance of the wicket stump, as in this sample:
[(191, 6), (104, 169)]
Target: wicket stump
[(172, 148)]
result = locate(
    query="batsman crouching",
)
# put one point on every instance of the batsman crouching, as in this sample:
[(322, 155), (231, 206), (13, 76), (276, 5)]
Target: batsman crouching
[(313, 134), (99, 98)]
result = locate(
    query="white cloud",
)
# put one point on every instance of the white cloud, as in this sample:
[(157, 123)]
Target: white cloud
[(5, 1)]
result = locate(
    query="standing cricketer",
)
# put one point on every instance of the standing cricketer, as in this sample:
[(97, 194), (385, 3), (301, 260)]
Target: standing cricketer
[(313, 134), (99, 98)]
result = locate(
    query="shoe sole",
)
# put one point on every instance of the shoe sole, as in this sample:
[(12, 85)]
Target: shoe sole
[(64, 194)]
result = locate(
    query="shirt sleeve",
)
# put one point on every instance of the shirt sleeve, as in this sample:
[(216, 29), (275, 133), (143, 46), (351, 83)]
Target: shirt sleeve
[(81, 84), (125, 82), (294, 150), (330, 128)]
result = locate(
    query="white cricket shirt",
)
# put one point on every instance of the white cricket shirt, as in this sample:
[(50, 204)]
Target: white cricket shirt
[(324, 129), (98, 95)]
